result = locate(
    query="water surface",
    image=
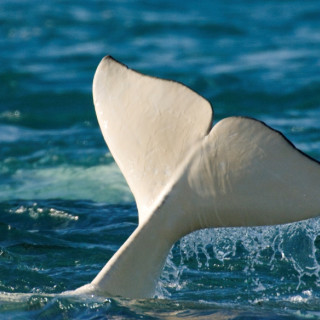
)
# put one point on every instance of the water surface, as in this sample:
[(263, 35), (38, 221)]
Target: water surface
[(65, 207)]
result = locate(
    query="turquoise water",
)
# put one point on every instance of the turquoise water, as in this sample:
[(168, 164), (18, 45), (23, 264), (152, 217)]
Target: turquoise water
[(65, 207)]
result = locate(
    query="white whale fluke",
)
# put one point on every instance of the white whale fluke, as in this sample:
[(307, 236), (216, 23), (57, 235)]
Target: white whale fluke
[(186, 176)]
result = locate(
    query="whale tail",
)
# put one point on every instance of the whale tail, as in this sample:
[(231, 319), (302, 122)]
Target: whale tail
[(186, 176)]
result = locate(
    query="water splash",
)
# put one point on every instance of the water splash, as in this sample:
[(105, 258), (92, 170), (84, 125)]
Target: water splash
[(258, 264)]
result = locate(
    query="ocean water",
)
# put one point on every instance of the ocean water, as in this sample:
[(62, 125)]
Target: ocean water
[(65, 207)]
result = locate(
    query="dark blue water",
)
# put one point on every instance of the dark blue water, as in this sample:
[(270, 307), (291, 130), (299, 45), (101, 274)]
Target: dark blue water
[(65, 207)]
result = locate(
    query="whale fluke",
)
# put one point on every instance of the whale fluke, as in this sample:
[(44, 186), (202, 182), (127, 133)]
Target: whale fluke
[(186, 176)]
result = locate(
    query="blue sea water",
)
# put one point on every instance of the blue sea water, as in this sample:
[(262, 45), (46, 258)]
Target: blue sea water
[(65, 207)]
